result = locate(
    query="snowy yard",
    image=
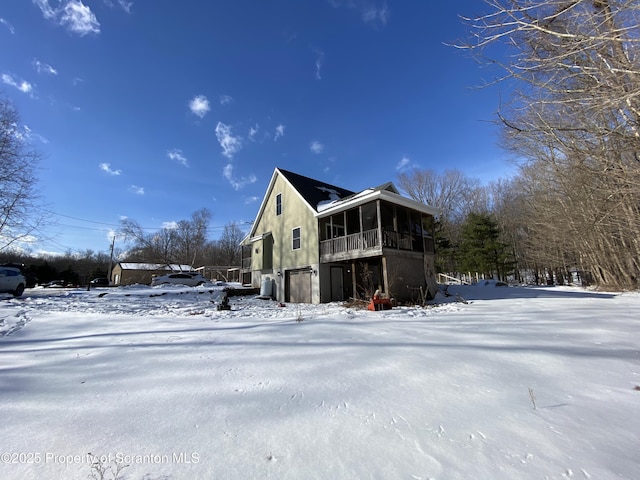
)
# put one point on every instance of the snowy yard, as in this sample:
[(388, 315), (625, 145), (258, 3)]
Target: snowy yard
[(519, 383)]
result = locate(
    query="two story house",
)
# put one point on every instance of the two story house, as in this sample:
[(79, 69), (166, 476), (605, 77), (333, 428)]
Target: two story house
[(313, 242)]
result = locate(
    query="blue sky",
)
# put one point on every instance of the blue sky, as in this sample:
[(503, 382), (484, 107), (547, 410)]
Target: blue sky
[(152, 110)]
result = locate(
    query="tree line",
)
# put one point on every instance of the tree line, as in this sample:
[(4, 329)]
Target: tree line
[(477, 228), (573, 123), (185, 243)]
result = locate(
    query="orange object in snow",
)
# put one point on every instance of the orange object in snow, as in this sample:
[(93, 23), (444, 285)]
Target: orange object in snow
[(378, 303)]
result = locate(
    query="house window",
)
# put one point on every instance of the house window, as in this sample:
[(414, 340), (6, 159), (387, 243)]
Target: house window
[(279, 204), (295, 237)]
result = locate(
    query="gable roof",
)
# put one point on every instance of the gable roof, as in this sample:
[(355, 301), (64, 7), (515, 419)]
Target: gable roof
[(323, 198), (312, 192), (315, 192)]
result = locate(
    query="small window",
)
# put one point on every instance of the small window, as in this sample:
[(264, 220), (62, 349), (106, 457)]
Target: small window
[(296, 238), (279, 204)]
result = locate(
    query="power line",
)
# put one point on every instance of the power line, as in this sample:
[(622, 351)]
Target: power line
[(115, 225), (79, 219)]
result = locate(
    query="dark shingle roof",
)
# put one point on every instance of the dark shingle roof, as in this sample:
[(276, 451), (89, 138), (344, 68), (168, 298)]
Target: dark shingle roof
[(314, 191)]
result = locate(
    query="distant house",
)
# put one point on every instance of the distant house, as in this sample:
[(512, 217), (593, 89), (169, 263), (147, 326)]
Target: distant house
[(128, 273), (313, 242)]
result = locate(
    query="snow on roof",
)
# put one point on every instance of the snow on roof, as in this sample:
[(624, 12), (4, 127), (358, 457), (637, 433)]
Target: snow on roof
[(334, 196), (335, 200), (155, 266), (314, 192)]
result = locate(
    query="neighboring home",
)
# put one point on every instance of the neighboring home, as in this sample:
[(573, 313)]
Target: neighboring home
[(128, 273), (313, 242)]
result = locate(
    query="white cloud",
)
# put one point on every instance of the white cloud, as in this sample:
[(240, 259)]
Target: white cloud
[(250, 200), (230, 144), (73, 14), (373, 15), (21, 134), (372, 12), (172, 225), (47, 10), (43, 67), (237, 183), (225, 99), (25, 134), (23, 86), (36, 136), (199, 105), (7, 24), (137, 190), (316, 147), (319, 62), (126, 6), (177, 156), (79, 18), (279, 132), (106, 167), (253, 131), (403, 163)]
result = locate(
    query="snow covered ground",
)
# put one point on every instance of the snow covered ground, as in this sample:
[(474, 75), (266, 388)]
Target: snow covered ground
[(518, 383)]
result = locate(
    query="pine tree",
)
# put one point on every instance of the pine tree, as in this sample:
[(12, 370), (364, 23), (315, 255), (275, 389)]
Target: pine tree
[(481, 250)]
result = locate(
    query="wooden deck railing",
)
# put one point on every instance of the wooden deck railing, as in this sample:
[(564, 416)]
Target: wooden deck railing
[(349, 243), (370, 239)]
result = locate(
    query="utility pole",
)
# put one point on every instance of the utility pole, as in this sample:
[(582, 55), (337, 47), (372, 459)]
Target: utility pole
[(113, 242)]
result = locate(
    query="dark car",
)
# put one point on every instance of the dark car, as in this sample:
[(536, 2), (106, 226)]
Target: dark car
[(99, 282)]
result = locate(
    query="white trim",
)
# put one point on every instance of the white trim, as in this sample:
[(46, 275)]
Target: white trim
[(299, 238), (257, 238), (362, 198)]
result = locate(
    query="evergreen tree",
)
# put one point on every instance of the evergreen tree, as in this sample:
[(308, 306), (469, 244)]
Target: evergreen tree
[(480, 249)]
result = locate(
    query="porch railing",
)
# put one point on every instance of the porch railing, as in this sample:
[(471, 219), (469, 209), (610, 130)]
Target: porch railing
[(354, 242), (370, 239), (405, 241)]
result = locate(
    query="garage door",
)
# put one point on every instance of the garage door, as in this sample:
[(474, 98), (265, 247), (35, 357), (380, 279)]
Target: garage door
[(299, 283)]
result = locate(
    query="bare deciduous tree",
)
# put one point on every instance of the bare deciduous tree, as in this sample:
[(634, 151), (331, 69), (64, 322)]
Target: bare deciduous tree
[(18, 195), (229, 244), (191, 237), (455, 195), (575, 120), (184, 244), (452, 192)]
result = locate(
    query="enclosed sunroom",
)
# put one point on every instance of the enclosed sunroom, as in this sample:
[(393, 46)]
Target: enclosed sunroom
[(376, 239)]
